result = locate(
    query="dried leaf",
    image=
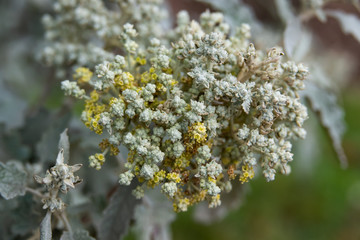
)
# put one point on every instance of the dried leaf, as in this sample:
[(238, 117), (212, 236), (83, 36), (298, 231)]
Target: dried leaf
[(79, 234), (118, 213), (65, 145), (350, 23), (12, 180), (331, 115), (45, 227)]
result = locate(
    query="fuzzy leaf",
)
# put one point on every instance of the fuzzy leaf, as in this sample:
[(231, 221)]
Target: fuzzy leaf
[(235, 12), (11, 145), (118, 213), (65, 145), (292, 36), (331, 115), (77, 235), (285, 10), (12, 107), (350, 23), (12, 180), (154, 216), (45, 227), (47, 147), (297, 41), (25, 217)]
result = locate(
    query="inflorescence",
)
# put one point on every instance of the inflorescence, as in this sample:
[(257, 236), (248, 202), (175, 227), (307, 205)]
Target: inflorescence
[(196, 108)]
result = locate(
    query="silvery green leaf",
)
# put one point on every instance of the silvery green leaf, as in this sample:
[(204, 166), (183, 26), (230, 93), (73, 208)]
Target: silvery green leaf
[(6, 214), (321, 15), (45, 227), (154, 216), (34, 127), (12, 180), (325, 104), (12, 146), (12, 107), (118, 213), (25, 217), (46, 148), (297, 41), (285, 10), (79, 234), (235, 12), (350, 23), (65, 145)]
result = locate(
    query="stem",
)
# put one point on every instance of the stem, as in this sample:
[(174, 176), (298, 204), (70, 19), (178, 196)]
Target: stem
[(34, 192), (66, 222)]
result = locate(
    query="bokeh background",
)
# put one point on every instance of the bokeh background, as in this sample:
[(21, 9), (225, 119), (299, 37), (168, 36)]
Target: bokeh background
[(318, 200)]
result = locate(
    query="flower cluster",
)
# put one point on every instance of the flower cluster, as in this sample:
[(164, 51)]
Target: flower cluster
[(84, 33), (195, 115)]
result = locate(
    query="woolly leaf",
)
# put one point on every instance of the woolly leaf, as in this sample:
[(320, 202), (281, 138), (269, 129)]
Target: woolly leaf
[(45, 227), (12, 180), (47, 147), (235, 12), (154, 216), (12, 107), (25, 218), (350, 23), (331, 115), (77, 235), (118, 213), (12, 147), (297, 41), (65, 145), (285, 10)]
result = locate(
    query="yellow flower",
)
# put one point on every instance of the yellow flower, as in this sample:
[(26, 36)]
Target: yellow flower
[(82, 75), (173, 177), (247, 172), (198, 132), (141, 61)]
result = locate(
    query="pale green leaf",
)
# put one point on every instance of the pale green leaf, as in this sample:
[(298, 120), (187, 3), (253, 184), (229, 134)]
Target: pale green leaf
[(118, 213), (45, 227), (350, 23), (325, 104), (235, 12), (12, 107), (285, 10), (297, 41), (47, 149), (79, 234), (12, 180), (65, 145), (154, 216), (25, 218)]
